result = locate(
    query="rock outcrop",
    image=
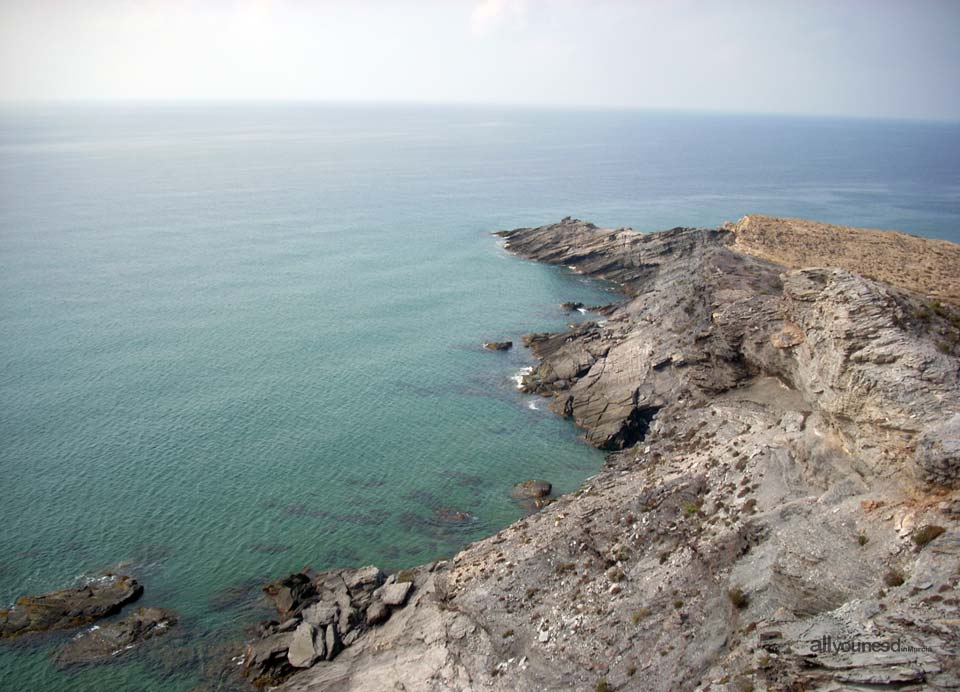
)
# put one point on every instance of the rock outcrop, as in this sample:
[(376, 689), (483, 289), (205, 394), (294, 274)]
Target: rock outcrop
[(778, 510), (69, 608)]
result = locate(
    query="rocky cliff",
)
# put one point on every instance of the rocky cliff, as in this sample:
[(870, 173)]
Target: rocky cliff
[(779, 509)]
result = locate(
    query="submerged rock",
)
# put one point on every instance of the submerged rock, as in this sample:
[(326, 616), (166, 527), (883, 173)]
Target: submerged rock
[(107, 642), (69, 608), (448, 515)]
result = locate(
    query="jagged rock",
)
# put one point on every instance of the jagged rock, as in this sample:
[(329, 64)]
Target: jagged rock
[(571, 306), (498, 345), (531, 489), (303, 651), (68, 608), (106, 642), (394, 594), (332, 642)]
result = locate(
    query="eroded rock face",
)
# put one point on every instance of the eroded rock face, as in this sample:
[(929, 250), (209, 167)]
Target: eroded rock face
[(107, 642), (69, 608)]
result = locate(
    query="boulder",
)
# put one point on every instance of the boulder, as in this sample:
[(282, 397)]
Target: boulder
[(305, 647), (531, 489), (102, 643), (394, 594), (571, 306), (364, 578), (69, 607)]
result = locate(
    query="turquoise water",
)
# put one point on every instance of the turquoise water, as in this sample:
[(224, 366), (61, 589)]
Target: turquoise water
[(241, 339)]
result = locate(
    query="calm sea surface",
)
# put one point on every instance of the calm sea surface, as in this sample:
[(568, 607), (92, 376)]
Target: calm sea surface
[(236, 340)]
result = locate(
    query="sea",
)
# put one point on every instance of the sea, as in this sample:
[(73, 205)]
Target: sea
[(240, 339)]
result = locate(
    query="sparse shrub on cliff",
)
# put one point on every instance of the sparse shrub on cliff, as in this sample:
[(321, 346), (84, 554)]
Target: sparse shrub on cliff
[(738, 597), (893, 577), (639, 614)]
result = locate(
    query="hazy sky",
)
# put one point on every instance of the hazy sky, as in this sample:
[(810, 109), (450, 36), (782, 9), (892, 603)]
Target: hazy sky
[(852, 57)]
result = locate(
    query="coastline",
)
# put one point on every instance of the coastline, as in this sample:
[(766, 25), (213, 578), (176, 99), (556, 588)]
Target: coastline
[(782, 474), (776, 444)]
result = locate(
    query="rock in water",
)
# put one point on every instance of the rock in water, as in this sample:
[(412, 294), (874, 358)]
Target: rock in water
[(265, 661), (69, 607), (498, 345), (571, 306), (449, 515), (102, 643), (531, 490), (291, 594)]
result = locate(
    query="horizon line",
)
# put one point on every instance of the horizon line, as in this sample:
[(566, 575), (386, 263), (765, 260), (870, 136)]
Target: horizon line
[(387, 103)]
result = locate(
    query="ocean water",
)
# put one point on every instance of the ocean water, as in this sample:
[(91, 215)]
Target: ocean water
[(236, 340)]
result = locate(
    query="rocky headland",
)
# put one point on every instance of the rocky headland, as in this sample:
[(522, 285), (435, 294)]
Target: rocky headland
[(778, 510)]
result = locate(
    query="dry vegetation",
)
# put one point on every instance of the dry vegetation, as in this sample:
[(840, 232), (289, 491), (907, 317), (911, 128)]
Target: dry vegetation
[(924, 265)]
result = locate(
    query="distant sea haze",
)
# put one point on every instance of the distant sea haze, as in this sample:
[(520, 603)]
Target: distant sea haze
[(238, 340)]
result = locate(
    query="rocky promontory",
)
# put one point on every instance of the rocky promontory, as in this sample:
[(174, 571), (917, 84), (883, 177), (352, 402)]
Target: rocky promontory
[(778, 510)]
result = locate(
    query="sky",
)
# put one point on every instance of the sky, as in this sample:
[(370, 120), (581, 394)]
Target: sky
[(876, 58)]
